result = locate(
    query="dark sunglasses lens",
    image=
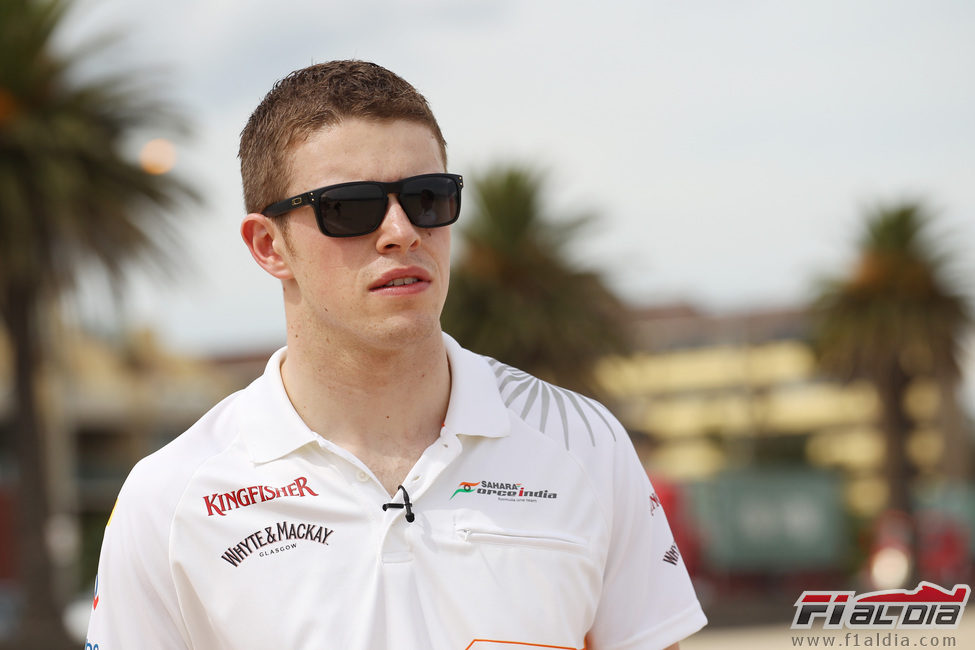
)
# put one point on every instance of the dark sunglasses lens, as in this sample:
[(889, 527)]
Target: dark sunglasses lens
[(431, 201), (353, 210)]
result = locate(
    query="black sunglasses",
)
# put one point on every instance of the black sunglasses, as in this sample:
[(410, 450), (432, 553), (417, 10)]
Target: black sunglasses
[(354, 209)]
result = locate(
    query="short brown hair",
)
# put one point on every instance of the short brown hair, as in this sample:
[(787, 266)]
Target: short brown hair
[(310, 99)]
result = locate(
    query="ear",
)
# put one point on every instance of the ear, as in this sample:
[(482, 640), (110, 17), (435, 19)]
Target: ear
[(265, 241)]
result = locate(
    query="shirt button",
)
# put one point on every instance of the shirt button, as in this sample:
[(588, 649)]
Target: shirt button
[(362, 476), (416, 478)]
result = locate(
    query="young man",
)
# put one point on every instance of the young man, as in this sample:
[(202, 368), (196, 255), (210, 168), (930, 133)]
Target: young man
[(379, 486)]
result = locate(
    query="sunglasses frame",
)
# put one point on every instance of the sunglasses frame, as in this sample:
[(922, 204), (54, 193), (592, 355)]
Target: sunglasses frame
[(313, 198)]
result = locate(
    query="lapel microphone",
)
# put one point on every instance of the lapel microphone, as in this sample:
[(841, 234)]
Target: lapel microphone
[(406, 504)]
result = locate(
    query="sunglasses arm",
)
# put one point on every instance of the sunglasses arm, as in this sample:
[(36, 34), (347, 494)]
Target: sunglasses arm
[(287, 205)]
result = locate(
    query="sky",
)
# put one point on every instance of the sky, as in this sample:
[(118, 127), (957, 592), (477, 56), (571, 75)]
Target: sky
[(729, 148)]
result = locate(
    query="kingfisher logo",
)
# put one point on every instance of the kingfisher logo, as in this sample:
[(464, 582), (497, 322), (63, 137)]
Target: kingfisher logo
[(219, 504), (504, 491), (926, 607), (654, 503)]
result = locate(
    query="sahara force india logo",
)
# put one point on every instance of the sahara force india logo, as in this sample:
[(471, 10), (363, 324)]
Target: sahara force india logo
[(504, 491), (927, 607)]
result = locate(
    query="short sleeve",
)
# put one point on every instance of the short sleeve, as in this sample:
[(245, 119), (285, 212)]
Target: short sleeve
[(647, 601), (135, 604)]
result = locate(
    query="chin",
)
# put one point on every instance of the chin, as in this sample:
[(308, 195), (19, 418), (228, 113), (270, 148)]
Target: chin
[(396, 331)]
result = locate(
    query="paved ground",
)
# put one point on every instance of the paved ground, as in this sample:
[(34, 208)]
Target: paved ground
[(775, 637)]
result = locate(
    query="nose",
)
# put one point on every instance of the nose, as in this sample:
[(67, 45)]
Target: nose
[(396, 231)]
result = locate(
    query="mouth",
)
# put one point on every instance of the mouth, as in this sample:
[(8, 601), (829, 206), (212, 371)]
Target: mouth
[(404, 279), (399, 282)]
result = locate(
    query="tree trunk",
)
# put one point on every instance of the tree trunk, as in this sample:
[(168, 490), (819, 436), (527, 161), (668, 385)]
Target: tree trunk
[(897, 427), (956, 460), (40, 624)]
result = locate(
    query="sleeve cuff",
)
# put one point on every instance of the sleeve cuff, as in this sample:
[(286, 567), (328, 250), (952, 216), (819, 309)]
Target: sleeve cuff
[(674, 629)]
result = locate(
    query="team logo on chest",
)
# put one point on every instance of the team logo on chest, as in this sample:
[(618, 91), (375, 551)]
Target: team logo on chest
[(503, 491)]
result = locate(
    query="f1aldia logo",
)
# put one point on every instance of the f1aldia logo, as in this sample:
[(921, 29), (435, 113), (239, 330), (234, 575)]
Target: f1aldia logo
[(927, 607), (504, 491)]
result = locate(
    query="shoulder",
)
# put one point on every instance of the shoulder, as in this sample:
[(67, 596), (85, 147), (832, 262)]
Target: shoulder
[(156, 483), (573, 420), (585, 440), (136, 563), (577, 427), (494, 395), (560, 425)]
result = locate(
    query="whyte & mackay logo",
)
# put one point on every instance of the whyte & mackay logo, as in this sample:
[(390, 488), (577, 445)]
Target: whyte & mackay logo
[(219, 503), (672, 556), (277, 538), (504, 491), (927, 607)]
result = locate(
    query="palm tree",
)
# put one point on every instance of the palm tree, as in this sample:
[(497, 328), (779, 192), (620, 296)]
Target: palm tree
[(69, 199), (516, 296), (893, 319)]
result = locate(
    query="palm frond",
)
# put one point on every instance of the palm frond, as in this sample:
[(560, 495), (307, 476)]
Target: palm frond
[(515, 294)]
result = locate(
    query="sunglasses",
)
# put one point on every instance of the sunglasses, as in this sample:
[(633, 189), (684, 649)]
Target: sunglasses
[(354, 209)]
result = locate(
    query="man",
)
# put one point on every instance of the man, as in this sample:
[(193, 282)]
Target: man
[(379, 486)]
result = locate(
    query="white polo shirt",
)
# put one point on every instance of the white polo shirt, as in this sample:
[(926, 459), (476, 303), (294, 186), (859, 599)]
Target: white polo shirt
[(534, 526)]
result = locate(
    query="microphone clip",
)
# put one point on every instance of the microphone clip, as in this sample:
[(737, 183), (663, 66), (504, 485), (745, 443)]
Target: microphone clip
[(406, 504)]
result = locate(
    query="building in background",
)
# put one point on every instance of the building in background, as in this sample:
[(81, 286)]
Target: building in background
[(705, 394), (772, 467)]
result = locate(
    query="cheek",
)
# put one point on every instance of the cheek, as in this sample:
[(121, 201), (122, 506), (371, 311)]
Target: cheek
[(324, 275), (439, 243), (321, 255)]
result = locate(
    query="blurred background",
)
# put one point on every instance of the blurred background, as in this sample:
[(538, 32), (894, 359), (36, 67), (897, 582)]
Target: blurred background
[(747, 227)]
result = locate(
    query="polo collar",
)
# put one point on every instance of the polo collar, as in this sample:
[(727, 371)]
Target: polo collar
[(476, 407), (271, 428)]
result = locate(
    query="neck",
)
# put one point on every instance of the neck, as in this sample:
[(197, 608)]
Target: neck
[(370, 400)]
